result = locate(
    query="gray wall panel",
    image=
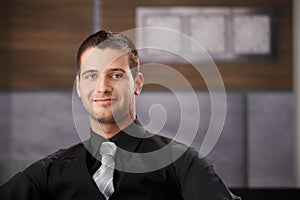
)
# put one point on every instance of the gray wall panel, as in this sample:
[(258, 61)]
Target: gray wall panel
[(33, 125), (36, 123), (270, 139), (42, 122), (229, 154), (5, 128)]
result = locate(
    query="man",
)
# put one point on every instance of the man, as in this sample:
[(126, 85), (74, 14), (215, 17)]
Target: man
[(120, 159)]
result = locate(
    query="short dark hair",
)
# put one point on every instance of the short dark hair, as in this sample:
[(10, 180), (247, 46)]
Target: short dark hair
[(107, 39)]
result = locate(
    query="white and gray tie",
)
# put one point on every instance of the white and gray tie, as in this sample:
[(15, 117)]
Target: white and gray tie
[(103, 177)]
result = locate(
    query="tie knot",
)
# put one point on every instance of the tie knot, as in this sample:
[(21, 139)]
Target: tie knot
[(108, 149)]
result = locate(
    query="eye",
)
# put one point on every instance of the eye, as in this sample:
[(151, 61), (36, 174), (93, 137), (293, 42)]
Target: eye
[(116, 76), (91, 76)]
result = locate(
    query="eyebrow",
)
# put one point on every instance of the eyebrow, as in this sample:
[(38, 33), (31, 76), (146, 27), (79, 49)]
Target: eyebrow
[(89, 71), (116, 69)]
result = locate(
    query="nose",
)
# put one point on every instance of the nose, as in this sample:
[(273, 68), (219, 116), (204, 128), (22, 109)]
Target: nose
[(103, 85)]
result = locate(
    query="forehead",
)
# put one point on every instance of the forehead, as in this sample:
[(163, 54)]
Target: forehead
[(102, 59)]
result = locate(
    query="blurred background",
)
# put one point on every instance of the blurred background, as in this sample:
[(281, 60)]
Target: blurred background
[(254, 44)]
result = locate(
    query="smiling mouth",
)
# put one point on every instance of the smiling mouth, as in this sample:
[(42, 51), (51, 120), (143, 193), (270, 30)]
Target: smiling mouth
[(105, 101)]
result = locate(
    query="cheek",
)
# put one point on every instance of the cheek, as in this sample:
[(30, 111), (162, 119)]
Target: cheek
[(86, 91), (128, 89), (125, 93), (124, 87)]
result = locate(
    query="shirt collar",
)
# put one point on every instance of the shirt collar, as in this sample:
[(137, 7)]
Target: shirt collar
[(127, 139)]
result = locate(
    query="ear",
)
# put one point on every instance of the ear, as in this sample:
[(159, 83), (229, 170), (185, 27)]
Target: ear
[(77, 86), (139, 81)]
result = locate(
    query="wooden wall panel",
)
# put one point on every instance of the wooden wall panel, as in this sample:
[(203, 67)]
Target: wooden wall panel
[(39, 40), (276, 74)]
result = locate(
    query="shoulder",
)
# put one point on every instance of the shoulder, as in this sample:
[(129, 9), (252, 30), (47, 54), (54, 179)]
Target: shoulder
[(39, 169), (182, 154), (192, 160), (61, 154), (32, 182)]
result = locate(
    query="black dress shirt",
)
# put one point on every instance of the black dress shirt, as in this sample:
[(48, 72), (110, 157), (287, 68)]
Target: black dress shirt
[(67, 174)]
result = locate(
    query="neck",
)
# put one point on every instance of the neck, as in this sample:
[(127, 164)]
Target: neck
[(108, 130)]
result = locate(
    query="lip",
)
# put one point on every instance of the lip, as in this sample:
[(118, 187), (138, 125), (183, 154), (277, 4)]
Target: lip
[(105, 101)]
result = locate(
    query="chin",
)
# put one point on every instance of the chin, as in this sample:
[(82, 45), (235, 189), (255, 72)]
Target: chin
[(107, 117), (104, 119)]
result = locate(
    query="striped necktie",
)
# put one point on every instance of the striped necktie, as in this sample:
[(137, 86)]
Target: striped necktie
[(103, 177)]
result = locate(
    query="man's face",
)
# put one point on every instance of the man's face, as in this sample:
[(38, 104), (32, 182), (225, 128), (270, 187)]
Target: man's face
[(106, 85)]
